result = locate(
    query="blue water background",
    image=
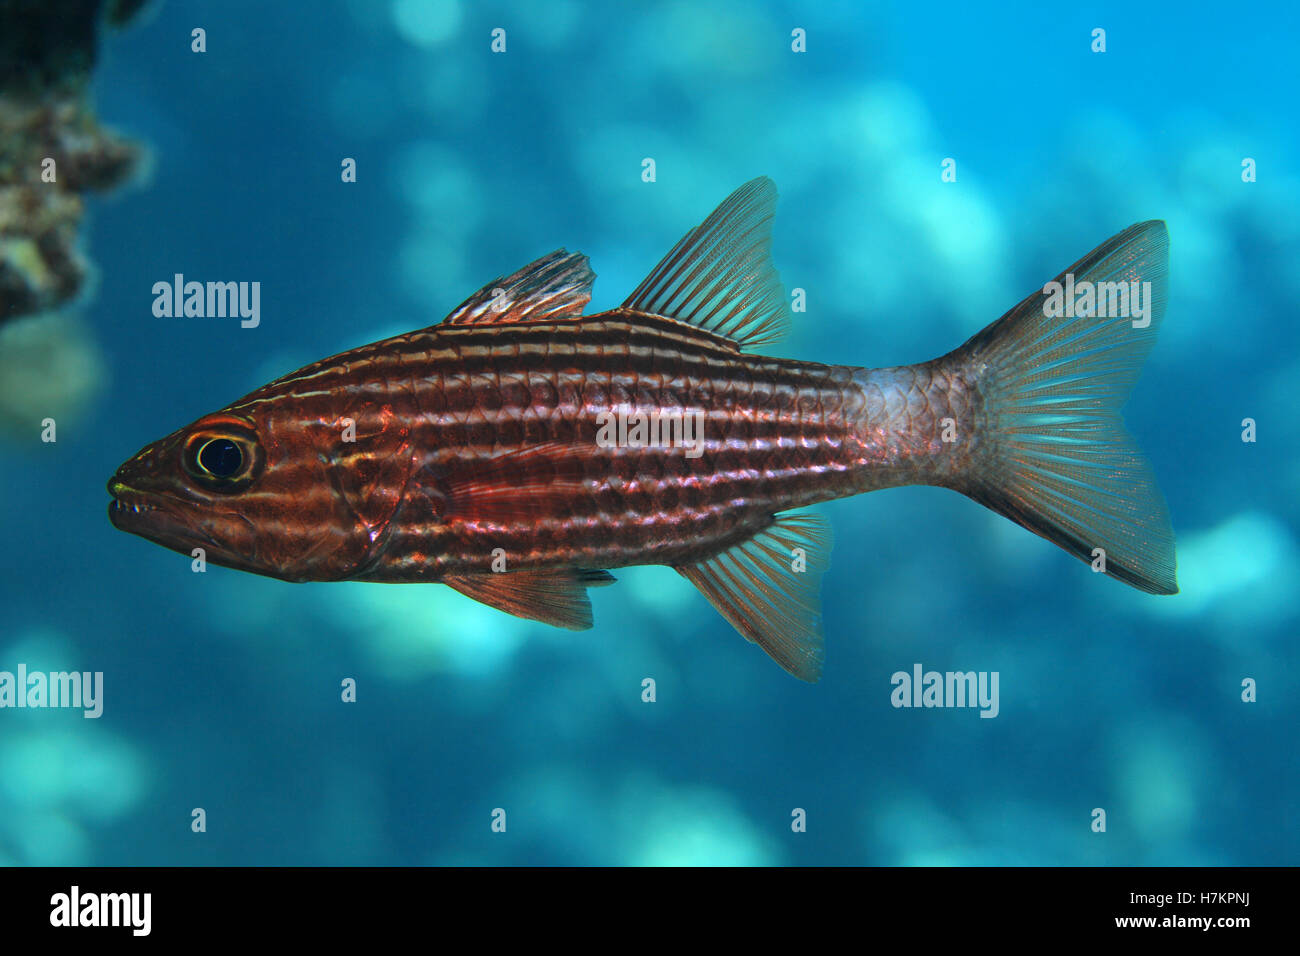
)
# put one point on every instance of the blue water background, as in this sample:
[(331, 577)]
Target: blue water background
[(223, 689)]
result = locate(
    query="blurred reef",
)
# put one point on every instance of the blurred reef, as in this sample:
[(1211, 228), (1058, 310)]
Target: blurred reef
[(53, 151), (53, 148)]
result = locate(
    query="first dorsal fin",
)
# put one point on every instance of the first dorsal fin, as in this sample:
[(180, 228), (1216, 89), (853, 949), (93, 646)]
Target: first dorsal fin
[(556, 596), (768, 588), (720, 275), (556, 286)]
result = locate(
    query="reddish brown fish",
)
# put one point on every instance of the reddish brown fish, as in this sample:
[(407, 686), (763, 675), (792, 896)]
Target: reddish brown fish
[(518, 449)]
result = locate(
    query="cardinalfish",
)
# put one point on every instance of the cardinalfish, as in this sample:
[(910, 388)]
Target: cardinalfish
[(519, 449)]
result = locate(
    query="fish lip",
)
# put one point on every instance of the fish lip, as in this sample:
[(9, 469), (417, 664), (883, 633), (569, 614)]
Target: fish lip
[(122, 503), (129, 504)]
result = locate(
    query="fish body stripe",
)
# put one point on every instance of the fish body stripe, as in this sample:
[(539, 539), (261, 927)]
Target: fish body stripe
[(776, 435)]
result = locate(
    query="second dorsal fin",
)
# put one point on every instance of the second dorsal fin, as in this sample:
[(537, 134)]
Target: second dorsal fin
[(720, 275), (556, 286)]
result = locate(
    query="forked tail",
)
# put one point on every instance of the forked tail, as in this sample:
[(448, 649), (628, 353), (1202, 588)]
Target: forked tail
[(1053, 453)]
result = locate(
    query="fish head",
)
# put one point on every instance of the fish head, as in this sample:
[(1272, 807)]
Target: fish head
[(257, 493)]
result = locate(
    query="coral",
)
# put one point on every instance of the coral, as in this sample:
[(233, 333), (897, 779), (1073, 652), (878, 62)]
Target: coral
[(52, 147)]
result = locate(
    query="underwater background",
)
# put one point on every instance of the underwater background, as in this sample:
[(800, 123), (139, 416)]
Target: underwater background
[(222, 689)]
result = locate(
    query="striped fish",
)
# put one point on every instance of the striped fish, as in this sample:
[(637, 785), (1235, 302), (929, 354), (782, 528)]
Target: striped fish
[(519, 449)]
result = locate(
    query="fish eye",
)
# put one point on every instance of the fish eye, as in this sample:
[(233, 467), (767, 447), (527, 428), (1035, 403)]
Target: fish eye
[(223, 458)]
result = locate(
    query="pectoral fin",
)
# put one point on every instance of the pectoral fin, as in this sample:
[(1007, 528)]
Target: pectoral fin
[(769, 589), (517, 487)]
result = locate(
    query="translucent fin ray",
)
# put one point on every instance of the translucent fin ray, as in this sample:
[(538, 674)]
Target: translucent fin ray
[(769, 587), (556, 596), (1056, 457), (720, 275), (556, 286), (516, 487)]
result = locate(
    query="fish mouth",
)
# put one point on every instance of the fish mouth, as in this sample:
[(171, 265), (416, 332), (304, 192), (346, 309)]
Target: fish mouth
[(127, 504), (119, 507), (156, 518)]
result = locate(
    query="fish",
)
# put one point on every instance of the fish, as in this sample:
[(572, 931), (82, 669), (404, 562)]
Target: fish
[(519, 449)]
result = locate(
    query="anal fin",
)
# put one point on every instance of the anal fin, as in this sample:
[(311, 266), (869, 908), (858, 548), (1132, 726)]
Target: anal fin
[(769, 587), (556, 596)]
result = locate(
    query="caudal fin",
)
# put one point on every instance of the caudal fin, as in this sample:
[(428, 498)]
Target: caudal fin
[(1053, 373)]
